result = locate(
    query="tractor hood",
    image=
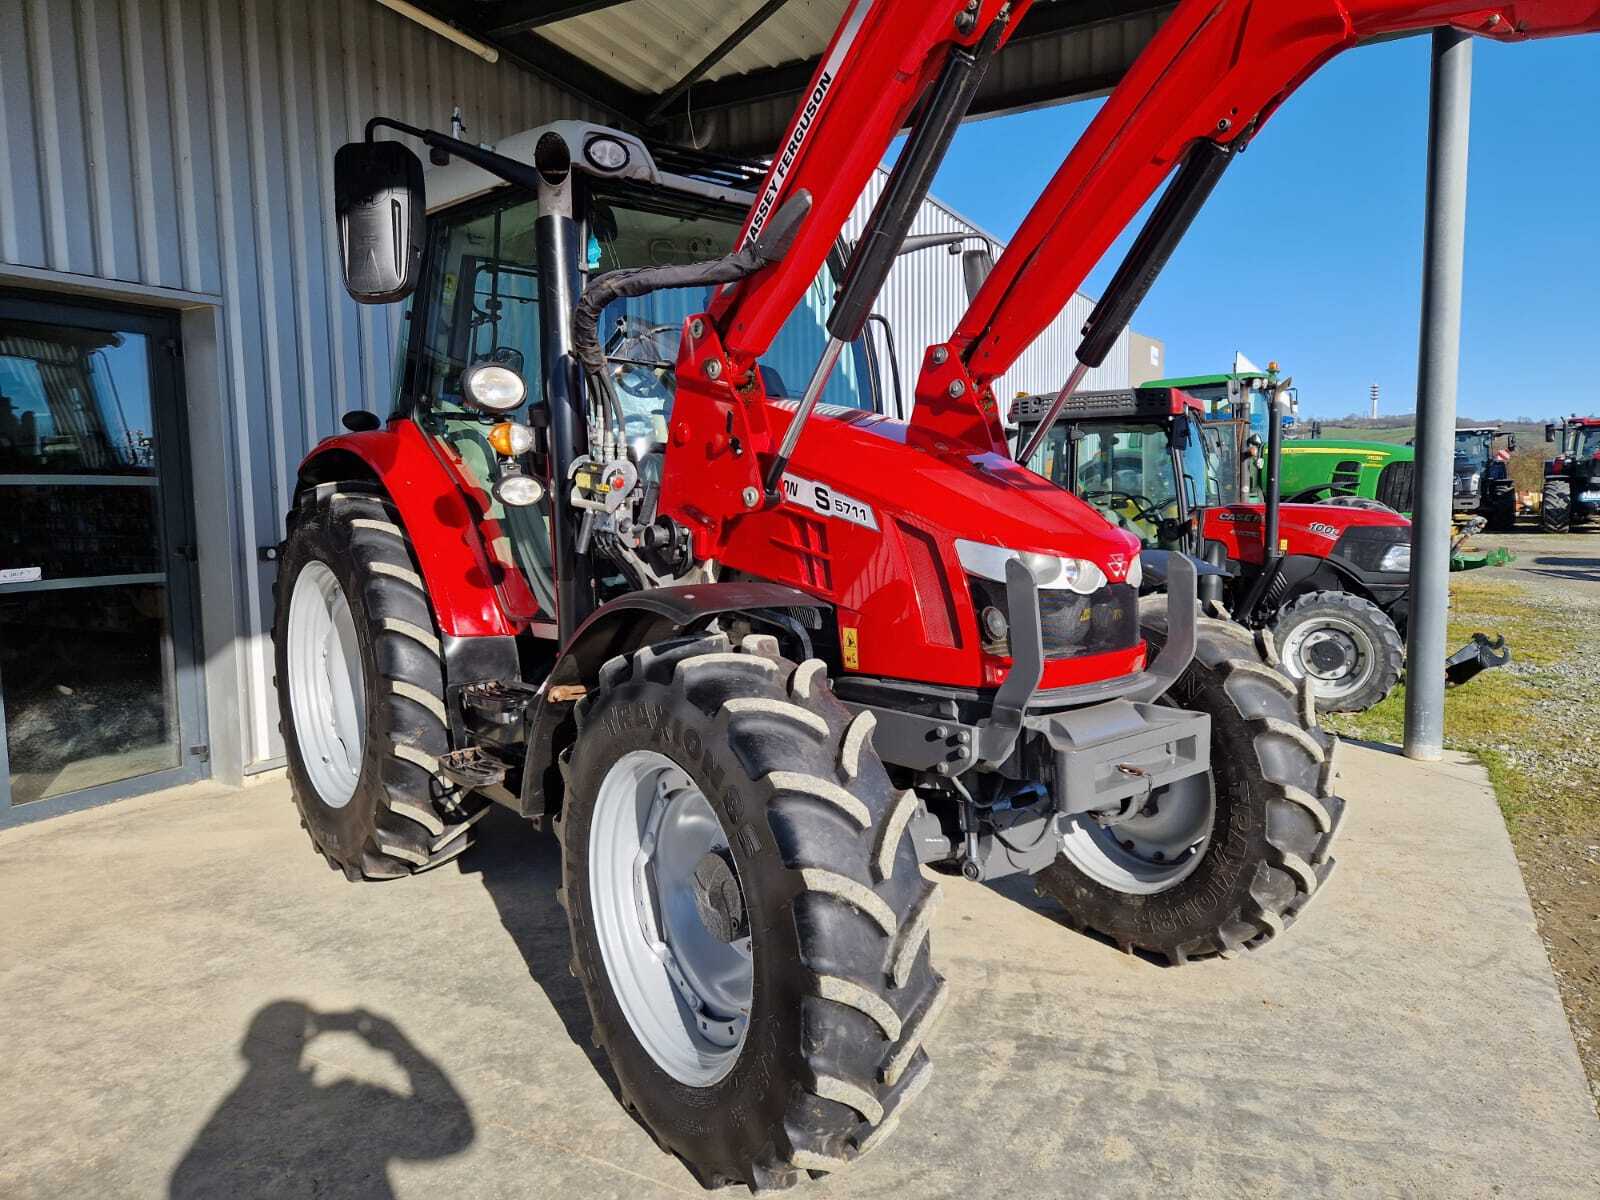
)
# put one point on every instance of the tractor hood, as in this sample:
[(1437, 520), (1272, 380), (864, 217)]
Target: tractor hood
[(1310, 529), (980, 497)]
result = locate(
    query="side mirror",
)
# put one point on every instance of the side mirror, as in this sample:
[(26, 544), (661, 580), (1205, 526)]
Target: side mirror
[(1511, 443), (1549, 433), (975, 268), (379, 205)]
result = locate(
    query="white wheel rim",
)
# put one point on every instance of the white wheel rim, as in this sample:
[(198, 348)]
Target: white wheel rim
[(327, 687), (1337, 655), (1151, 852), (685, 992)]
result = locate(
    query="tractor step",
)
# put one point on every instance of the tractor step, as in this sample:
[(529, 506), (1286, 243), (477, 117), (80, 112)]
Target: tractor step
[(472, 767), (498, 701)]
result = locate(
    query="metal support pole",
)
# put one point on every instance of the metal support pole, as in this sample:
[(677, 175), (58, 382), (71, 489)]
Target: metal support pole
[(1444, 248)]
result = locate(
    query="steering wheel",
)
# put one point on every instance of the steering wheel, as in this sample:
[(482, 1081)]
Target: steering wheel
[(1147, 509)]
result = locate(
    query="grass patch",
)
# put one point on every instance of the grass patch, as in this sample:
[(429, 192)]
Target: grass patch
[(1527, 722)]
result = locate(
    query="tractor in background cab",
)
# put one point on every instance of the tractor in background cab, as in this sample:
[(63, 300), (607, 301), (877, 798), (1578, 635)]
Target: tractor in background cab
[(1333, 589), (1483, 485), (1572, 477)]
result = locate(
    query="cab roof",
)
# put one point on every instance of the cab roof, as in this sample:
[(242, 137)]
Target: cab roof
[(1145, 402)]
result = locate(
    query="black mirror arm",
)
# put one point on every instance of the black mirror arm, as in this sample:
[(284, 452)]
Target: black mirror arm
[(508, 169)]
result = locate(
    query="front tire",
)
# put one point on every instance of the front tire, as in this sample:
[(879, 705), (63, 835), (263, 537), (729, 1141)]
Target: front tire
[(1272, 821), (1555, 513), (1345, 644), (361, 688), (804, 857)]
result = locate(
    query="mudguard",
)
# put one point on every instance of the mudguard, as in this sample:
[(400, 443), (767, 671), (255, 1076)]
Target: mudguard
[(460, 575), (620, 627)]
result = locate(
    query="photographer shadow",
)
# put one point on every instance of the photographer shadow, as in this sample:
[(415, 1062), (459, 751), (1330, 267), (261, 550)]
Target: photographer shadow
[(281, 1133)]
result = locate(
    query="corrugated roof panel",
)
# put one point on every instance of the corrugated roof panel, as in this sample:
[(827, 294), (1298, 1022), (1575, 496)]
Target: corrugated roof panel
[(649, 44)]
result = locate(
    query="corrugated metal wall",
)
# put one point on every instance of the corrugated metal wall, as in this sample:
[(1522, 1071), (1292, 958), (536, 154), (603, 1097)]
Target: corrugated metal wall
[(926, 295), (189, 144)]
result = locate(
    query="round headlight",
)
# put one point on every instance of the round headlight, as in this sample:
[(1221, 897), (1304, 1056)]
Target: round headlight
[(509, 439), (606, 153), (519, 490), (493, 387)]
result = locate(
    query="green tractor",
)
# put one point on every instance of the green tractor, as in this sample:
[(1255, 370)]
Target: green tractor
[(1313, 468)]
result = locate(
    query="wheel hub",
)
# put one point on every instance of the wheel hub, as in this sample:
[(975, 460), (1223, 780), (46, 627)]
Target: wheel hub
[(1153, 850), (671, 917), (327, 685), (1337, 655), (717, 897)]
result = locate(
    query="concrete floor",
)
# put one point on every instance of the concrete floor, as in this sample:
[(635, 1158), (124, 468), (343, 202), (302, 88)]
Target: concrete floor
[(193, 1004)]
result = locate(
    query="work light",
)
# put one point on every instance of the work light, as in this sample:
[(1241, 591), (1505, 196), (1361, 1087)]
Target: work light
[(493, 387)]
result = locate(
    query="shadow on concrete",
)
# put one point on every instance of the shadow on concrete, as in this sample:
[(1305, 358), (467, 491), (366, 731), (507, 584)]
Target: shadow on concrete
[(280, 1133), (520, 868), (1579, 570)]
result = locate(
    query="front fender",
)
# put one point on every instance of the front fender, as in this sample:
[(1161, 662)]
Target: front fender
[(621, 627), (460, 576)]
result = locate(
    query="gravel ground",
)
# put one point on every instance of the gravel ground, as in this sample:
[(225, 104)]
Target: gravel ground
[(1557, 835)]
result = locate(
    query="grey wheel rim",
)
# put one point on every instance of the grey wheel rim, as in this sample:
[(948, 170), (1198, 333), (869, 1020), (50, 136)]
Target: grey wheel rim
[(1336, 654), (670, 917), (327, 686), (1153, 851)]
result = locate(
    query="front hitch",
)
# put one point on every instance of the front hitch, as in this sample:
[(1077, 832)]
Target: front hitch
[(1481, 654)]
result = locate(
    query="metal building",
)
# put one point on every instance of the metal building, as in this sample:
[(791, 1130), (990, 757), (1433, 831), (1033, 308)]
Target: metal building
[(173, 334)]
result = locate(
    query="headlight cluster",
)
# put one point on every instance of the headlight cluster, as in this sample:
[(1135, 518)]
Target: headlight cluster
[(1052, 572), (1396, 558)]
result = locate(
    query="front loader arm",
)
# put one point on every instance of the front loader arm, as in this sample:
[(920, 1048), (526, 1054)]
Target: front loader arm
[(881, 62), (1216, 70)]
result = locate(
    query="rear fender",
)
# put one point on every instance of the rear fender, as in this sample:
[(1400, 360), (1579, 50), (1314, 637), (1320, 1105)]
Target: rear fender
[(457, 570), (621, 627)]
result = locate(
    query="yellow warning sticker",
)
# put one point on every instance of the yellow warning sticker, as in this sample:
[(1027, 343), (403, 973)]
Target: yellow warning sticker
[(852, 648)]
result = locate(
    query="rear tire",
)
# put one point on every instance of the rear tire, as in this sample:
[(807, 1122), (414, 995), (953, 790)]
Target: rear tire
[(1502, 515), (1346, 644), (835, 908), (1555, 514), (368, 794), (1275, 819)]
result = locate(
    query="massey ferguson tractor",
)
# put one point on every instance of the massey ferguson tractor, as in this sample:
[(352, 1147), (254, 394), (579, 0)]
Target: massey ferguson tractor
[(754, 653), (1572, 478)]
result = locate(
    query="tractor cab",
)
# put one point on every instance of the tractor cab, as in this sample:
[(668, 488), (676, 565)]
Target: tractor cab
[(1144, 458), (1482, 477), (472, 382)]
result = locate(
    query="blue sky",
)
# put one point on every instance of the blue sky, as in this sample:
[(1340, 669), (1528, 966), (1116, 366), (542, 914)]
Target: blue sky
[(1310, 250)]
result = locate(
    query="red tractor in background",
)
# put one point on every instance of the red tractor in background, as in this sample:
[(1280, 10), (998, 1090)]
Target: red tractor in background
[(1572, 478), (1334, 594), (756, 655)]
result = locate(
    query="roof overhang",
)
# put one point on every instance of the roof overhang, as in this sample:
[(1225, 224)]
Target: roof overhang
[(726, 77)]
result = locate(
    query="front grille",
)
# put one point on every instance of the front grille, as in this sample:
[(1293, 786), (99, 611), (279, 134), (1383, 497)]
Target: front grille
[(1073, 626), (1394, 485)]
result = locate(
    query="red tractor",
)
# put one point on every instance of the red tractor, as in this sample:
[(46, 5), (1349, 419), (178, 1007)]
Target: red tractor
[(756, 654), (1335, 587), (1572, 478)]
